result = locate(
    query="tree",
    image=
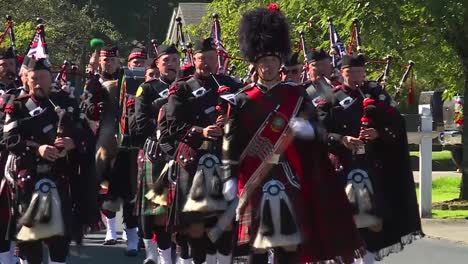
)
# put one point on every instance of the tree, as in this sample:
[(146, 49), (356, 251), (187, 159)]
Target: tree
[(432, 33), (451, 20), (69, 26)]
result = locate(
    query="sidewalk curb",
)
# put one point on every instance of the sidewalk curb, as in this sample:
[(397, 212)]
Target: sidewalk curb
[(455, 230), (444, 221)]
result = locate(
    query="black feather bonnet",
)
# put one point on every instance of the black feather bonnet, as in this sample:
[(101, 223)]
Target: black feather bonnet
[(264, 32)]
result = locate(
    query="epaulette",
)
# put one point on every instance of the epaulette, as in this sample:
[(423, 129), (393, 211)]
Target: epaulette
[(248, 87)]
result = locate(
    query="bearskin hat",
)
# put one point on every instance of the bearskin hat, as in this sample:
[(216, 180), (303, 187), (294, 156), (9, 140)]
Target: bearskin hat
[(264, 32)]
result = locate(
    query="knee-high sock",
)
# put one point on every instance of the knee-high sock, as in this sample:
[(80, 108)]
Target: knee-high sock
[(111, 233), (151, 249), (5, 257), (224, 259), (184, 261), (210, 259), (165, 255), (14, 259), (132, 238)]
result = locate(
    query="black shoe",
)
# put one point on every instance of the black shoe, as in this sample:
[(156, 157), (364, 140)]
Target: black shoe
[(110, 242), (131, 253)]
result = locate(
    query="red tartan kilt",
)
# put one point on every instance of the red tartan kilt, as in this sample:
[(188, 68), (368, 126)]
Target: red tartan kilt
[(248, 223), (327, 222), (249, 218)]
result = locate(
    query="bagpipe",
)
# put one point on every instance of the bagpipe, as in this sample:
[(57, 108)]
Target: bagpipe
[(10, 31), (154, 46), (37, 49), (223, 57), (65, 79), (304, 76), (405, 76), (186, 48), (336, 50), (355, 38)]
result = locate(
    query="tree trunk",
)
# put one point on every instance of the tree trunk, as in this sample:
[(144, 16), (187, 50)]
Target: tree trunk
[(464, 181)]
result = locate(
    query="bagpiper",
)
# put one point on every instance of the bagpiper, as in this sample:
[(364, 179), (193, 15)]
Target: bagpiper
[(290, 199), (292, 69), (8, 93), (153, 186), (369, 149), (194, 122), (41, 135)]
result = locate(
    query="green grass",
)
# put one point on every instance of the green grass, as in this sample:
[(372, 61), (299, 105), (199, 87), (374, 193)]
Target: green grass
[(446, 189), (447, 214), (436, 155)]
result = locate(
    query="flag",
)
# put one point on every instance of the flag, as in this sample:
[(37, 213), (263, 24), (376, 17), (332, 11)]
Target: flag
[(38, 47), (339, 46), (220, 50)]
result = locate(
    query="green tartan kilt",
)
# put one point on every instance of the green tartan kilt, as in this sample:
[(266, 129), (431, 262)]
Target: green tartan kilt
[(151, 178)]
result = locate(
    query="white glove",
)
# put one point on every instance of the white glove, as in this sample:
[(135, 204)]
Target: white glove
[(302, 128), (230, 189)]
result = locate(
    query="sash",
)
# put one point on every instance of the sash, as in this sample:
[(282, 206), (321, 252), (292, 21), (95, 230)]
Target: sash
[(269, 141)]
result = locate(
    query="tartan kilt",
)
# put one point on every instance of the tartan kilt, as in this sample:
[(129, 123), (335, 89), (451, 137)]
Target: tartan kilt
[(148, 174), (178, 196), (249, 217)]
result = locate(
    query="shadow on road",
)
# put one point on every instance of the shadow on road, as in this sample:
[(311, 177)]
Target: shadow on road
[(95, 253)]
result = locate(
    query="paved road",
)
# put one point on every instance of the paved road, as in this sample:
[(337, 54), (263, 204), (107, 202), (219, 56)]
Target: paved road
[(425, 251)]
